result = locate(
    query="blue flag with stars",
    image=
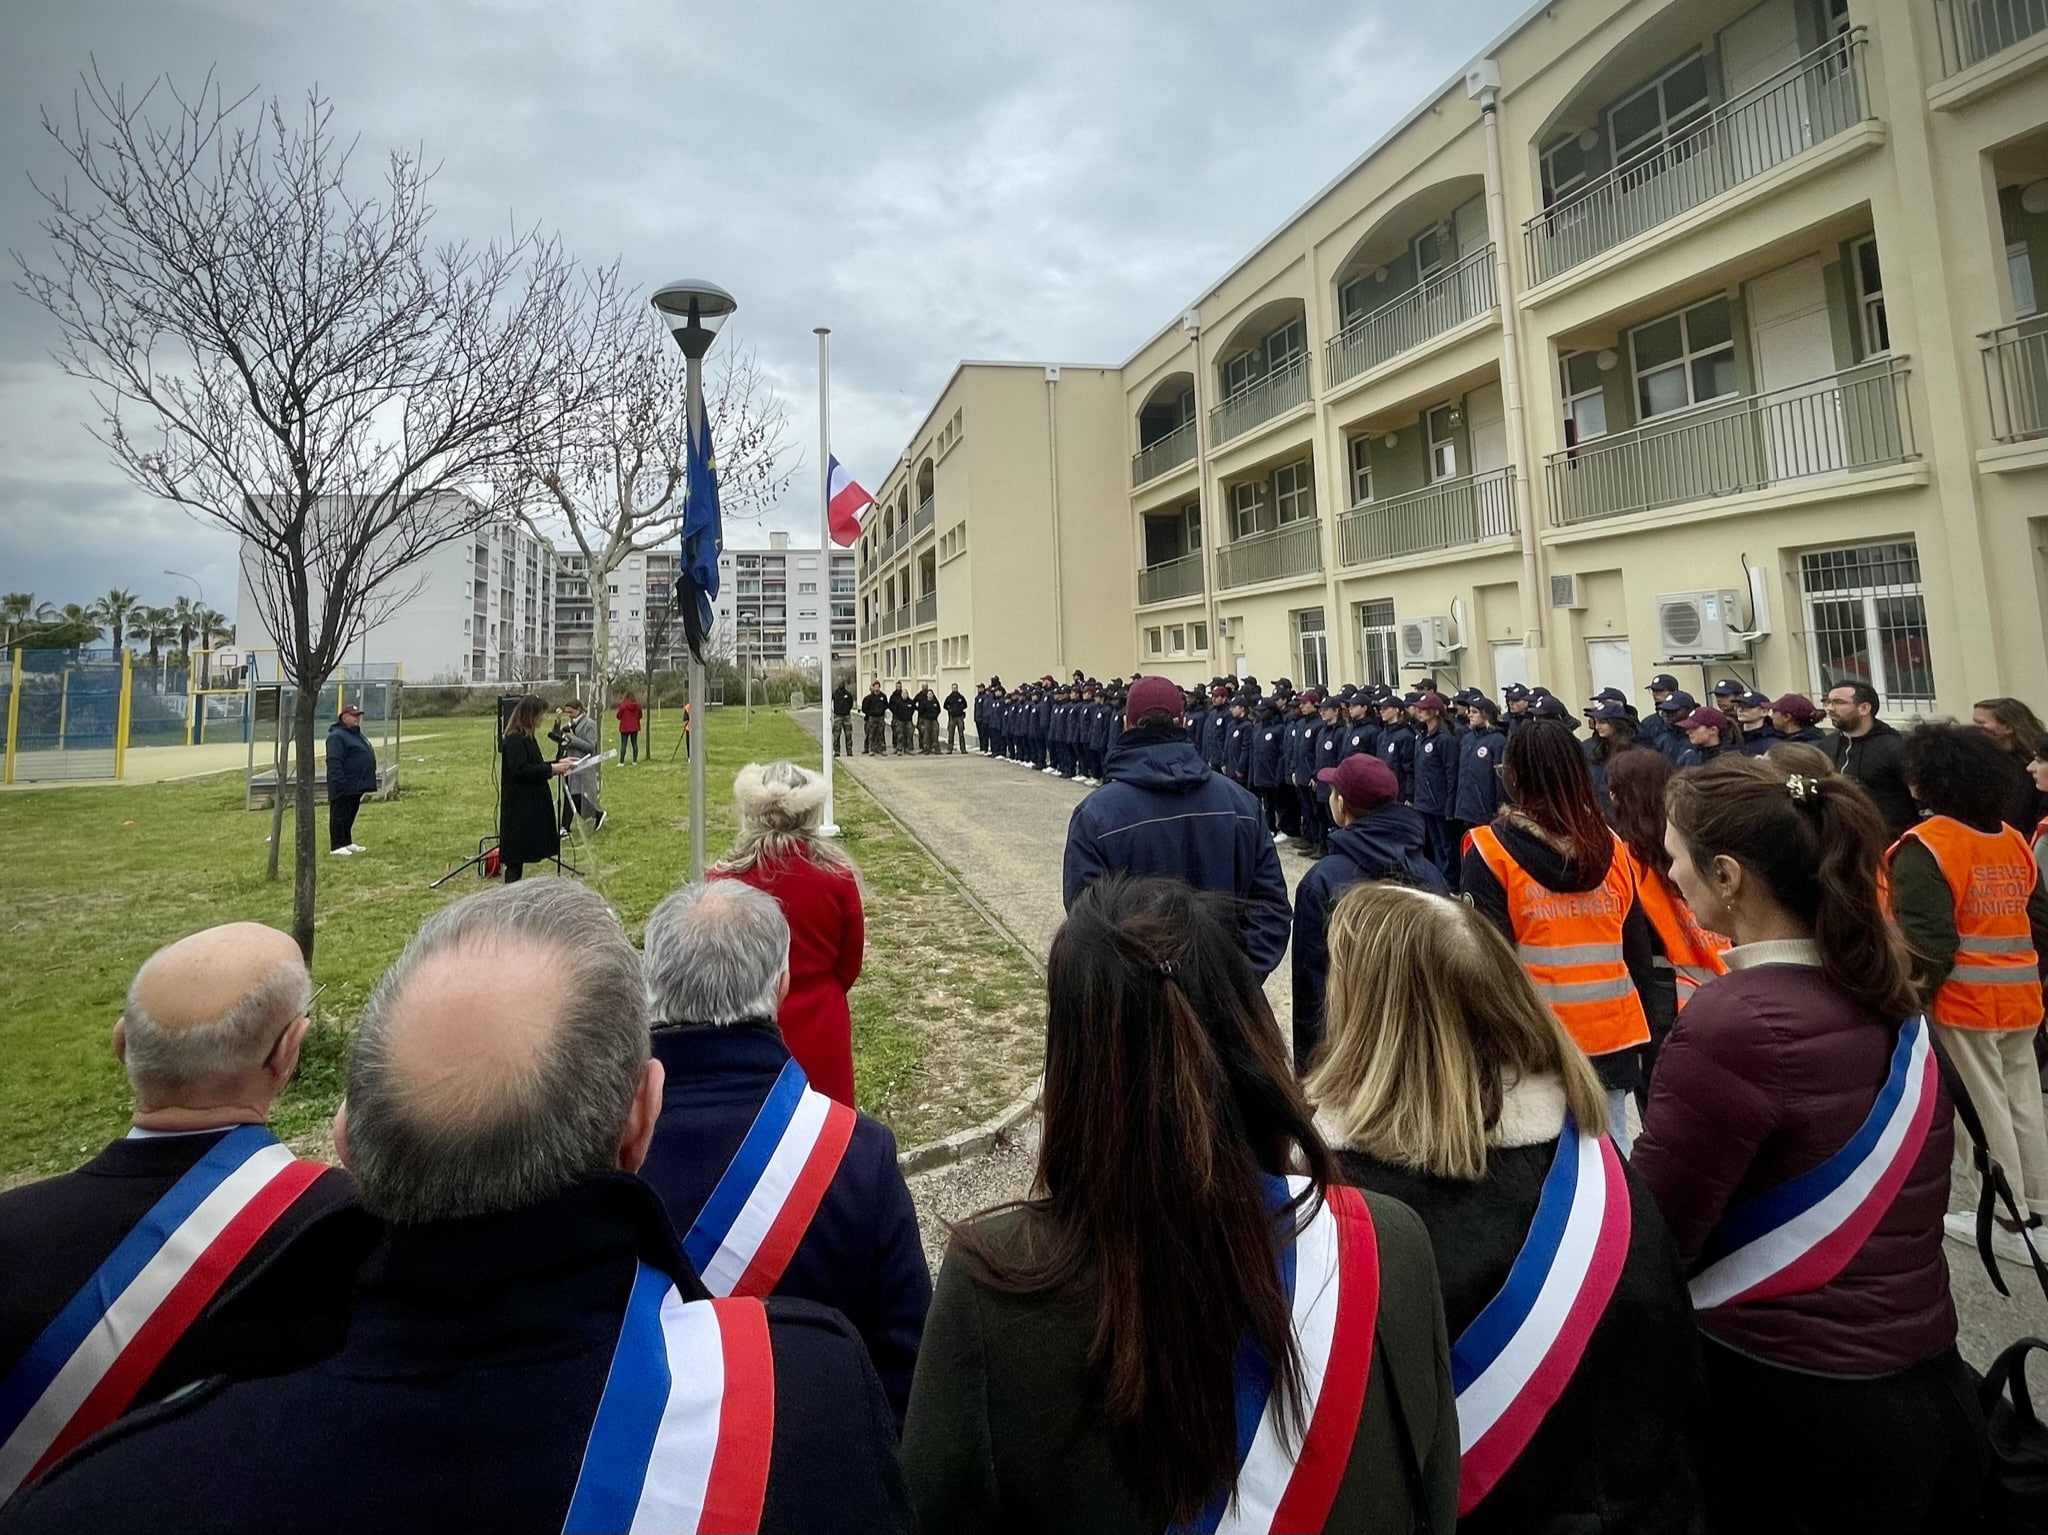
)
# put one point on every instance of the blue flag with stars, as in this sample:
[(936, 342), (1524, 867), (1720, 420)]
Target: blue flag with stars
[(703, 534)]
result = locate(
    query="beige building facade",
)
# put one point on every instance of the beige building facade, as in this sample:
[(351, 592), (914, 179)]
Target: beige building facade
[(1703, 336)]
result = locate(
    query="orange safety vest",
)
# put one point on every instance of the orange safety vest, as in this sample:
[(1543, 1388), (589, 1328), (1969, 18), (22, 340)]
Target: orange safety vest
[(1570, 944), (1695, 953), (1995, 982)]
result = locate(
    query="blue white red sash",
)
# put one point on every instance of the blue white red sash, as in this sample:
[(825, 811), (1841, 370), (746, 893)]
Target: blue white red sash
[(749, 1228), (1286, 1481), (1801, 1234), (683, 1431), (101, 1349), (1512, 1362)]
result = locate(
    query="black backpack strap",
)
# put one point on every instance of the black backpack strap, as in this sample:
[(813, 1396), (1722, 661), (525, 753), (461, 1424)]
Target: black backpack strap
[(2010, 1368), (1992, 1184)]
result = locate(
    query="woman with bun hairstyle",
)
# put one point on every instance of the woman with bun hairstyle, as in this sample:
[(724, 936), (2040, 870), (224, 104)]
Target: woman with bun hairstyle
[(1798, 1143), (779, 851)]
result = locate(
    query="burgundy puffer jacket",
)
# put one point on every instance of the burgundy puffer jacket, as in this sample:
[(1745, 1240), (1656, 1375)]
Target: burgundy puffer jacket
[(1767, 1074)]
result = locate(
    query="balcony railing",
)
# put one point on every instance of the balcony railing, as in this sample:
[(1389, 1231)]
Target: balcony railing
[(1973, 30), (1460, 292), (1163, 453), (891, 622), (1171, 579), (928, 608), (922, 521), (902, 617), (1447, 515), (1804, 104), (1857, 420), (1261, 400), (2016, 378), (1295, 550), (896, 540)]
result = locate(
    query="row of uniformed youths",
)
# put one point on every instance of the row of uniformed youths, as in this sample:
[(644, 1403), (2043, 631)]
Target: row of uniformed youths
[(899, 721)]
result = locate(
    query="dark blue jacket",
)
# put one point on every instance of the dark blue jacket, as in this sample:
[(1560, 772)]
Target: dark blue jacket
[(1436, 771), (1163, 812), (351, 761), (1385, 843), (1216, 723), (861, 1256), (1237, 749), (1269, 751), (1655, 732), (1396, 747), (477, 1352), (1329, 742), (1108, 723), (1360, 736), (1697, 756), (1301, 750), (1479, 788)]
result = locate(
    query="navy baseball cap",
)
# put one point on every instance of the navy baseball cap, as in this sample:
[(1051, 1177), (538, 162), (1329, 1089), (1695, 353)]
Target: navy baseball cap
[(1663, 682), (1610, 695), (1678, 703), (1728, 687), (1513, 691), (1548, 708), (1608, 709), (1755, 700)]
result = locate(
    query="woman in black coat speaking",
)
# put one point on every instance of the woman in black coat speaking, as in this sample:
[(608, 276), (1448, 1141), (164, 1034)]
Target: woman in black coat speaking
[(527, 831)]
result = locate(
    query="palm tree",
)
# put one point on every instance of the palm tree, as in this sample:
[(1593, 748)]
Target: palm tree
[(210, 623), (185, 623), (115, 610), (17, 612), (154, 626)]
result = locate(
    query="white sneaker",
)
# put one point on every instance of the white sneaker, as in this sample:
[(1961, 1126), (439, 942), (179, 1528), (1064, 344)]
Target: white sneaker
[(357, 847), (339, 852), (2005, 1244), (1280, 839)]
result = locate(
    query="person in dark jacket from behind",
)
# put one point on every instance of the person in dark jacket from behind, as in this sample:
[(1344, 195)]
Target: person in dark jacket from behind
[(1269, 768), (1376, 837), (1163, 812), (1480, 752), (1868, 750), (1077, 1369), (1446, 1083), (1839, 1403), (500, 1094), (1436, 779), (351, 774), (716, 960)]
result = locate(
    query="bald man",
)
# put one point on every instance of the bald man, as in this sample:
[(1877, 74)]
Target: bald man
[(528, 1349), (195, 1245)]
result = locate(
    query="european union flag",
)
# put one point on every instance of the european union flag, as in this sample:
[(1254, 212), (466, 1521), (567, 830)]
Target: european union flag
[(703, 534)]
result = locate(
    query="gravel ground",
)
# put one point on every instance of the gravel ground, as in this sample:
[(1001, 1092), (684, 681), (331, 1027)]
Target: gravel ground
[(1001, 829)]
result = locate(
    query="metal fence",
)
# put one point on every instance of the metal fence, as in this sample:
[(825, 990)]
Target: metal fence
[(1856, 420), (1295, 550), (1171, 579), (1461, 292), (921, 521), (928, 608), (1805, 103), (1163, 453), (1261, 400), (64, 716), (1448, 515), (2016, 379), (1973, 30)]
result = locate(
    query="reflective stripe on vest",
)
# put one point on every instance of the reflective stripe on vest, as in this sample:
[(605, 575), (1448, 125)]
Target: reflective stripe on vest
[(1995, 981), (1569, 942), (1694, 954)]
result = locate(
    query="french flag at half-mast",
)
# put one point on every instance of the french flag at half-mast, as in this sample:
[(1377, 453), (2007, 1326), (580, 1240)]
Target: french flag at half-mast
[(844, 500)]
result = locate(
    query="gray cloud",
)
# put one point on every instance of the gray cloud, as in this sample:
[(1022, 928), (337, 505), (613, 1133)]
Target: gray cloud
[(933, 180)]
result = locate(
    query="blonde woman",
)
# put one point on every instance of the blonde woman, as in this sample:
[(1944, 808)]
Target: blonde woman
[(779, 851), (1448, 1084)]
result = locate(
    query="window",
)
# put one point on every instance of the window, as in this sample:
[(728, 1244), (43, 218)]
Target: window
[(632, 612), (1877, 335), (612, 587), (1585, 402), (1294, 495), (1684, 359), (1433, 249), (1443, 443), (1155, 642), (1566, 165), (807, 637), (1280, 347), (633, 590), (1312, 645), (1646, 119), (1198, 637), (2021, 270), (1191, 526), (1247, 501), (1360, 452), (1379, 643), (807, 588), (1866, 620), (1177, 639)]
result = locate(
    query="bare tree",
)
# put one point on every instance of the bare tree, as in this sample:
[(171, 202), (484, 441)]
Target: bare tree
[(290, 358), (612, 476)]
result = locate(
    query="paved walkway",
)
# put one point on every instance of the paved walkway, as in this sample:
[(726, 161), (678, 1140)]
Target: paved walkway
[(1001, 829)]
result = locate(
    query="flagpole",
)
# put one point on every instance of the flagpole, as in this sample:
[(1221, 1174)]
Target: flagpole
[(829, 827)]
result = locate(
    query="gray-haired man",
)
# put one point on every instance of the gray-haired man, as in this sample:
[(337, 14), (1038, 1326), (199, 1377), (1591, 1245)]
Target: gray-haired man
[(778, 1188), (527, 1350)]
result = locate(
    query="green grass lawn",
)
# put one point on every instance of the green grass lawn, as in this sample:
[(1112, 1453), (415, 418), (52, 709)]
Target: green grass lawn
[(946, 1014)]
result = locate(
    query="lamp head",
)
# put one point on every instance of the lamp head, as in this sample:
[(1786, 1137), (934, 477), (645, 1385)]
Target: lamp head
[(693, 311)]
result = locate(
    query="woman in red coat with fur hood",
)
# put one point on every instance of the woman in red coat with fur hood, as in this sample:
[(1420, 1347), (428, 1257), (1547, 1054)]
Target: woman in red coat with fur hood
[(779, 851)]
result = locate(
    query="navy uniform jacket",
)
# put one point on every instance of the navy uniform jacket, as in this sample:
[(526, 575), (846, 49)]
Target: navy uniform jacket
[(861, 1256), (1329, 750), (1293, 758), (1436, 772), (1361, 736), (1108, 724), (1269, 744), (1480, 794), (284, 1304), (1237, 750), (1655, 732), (1216, 725), (1043, 712), (477, 1351), (1397, 750)]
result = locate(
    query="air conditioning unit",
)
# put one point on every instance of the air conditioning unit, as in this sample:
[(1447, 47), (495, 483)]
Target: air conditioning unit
[(1698, 624), (1565, 593), (1425, 641)]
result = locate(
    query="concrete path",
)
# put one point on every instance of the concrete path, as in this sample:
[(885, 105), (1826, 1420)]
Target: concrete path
[(1001, 830)]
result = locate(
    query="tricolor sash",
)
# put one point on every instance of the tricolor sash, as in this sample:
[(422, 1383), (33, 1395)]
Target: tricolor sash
[(1288, 1481), (84, 1369), (749, 1228), (683, 1431), (1801, 1234), (1512, 1362)]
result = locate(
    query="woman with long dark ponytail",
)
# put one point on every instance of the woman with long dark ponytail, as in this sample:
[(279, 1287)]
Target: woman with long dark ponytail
[(1798, 1142), (1132, 1348)]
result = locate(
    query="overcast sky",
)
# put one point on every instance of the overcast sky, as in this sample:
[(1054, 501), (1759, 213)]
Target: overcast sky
[(934, 179)]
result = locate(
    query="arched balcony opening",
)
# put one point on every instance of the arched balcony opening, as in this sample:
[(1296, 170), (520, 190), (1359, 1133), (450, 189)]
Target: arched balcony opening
[(1166, 428), (1262, 370), (922, 518), (1424, 269)]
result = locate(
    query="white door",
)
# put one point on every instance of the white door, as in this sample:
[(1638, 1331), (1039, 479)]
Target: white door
[(1487, 419), (1608, 666), (1775, 124), (1800, 428), (1510, 665)]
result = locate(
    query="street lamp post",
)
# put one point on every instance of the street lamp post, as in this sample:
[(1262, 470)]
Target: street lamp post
[(693, 311)]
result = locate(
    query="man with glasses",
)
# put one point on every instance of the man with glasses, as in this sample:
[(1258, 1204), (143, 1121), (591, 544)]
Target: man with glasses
[(1868, 750), (195, 1245)]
